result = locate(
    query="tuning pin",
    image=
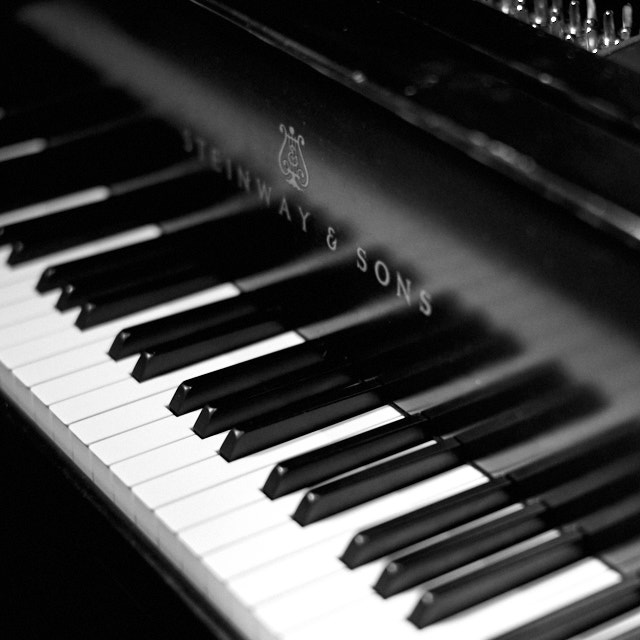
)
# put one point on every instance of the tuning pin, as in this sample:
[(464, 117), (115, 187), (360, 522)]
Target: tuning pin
[(540, 18), (519, 10), (608, 38), (627, 20), (505, 6), (556, 19), (590, 38), (574, 29)]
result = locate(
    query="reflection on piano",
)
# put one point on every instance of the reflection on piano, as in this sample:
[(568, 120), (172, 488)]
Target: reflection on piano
[(331, 310)]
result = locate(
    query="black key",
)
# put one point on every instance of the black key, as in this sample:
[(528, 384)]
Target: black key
[(411, 569), (552, 508), (137, 338), (455, 596), (61, 120), (585, 536), (112, 306), (528, 419), (271, 371), (387, 476), (205, 344), (539, 475), (160, 196), (157, 250), (380, 540), (276, 308), (209, 242), (120, 280), (342, 403), (582, 615), (122, 152), (318, 465), (297, 389), (268, 243)]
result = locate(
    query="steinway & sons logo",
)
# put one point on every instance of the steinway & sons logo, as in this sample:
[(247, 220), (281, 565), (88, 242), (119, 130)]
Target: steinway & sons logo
[(291, 160), (293, 167)]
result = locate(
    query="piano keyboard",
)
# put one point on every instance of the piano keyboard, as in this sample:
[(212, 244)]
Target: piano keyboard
[(347, 470)]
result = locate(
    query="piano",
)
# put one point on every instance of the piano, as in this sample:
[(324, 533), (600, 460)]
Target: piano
[(321, 319)]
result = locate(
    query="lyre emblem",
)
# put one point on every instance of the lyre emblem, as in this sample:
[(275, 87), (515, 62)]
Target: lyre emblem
[(290, 159)]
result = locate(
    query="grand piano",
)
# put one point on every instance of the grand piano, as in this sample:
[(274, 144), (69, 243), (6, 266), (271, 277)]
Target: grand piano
[(321, 319)]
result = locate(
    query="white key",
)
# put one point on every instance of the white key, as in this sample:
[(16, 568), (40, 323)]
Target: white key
[(23, 148), (217, 470), (145, 438), (204, 538), (27, 356), (80, 382), (33, 307), (290, 572), (63, 363), (15, 292), (614, 628), (527, 603), (53, 205), (129, 390), (28, 331), (166, 459), (370, 617), (225, 496)]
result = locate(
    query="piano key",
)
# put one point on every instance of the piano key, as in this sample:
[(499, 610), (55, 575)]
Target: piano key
[(156, 198), (361, 485), (497, 577), (583, 493), (119, 281), (419, 524), (111, 306), (128, 390), (197, 487), (25, 310), (28, 273), (410, 569), (84, 197), (95, 352), (98, 160), (581, 615), (621, 628), (79, 382), (135, 339), (141, 439), (204, 538), (182, 352), (52, 334), (489, 620), (326, 351), (318, 465), (342, 402)]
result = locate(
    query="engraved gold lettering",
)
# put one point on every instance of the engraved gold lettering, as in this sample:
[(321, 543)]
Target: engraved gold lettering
[(303, 217), (424, 305), (244, 178), (361, 259), (216, 161), (403, 287), (332, 239), (284, 209), (383, 276), (264, 192)]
